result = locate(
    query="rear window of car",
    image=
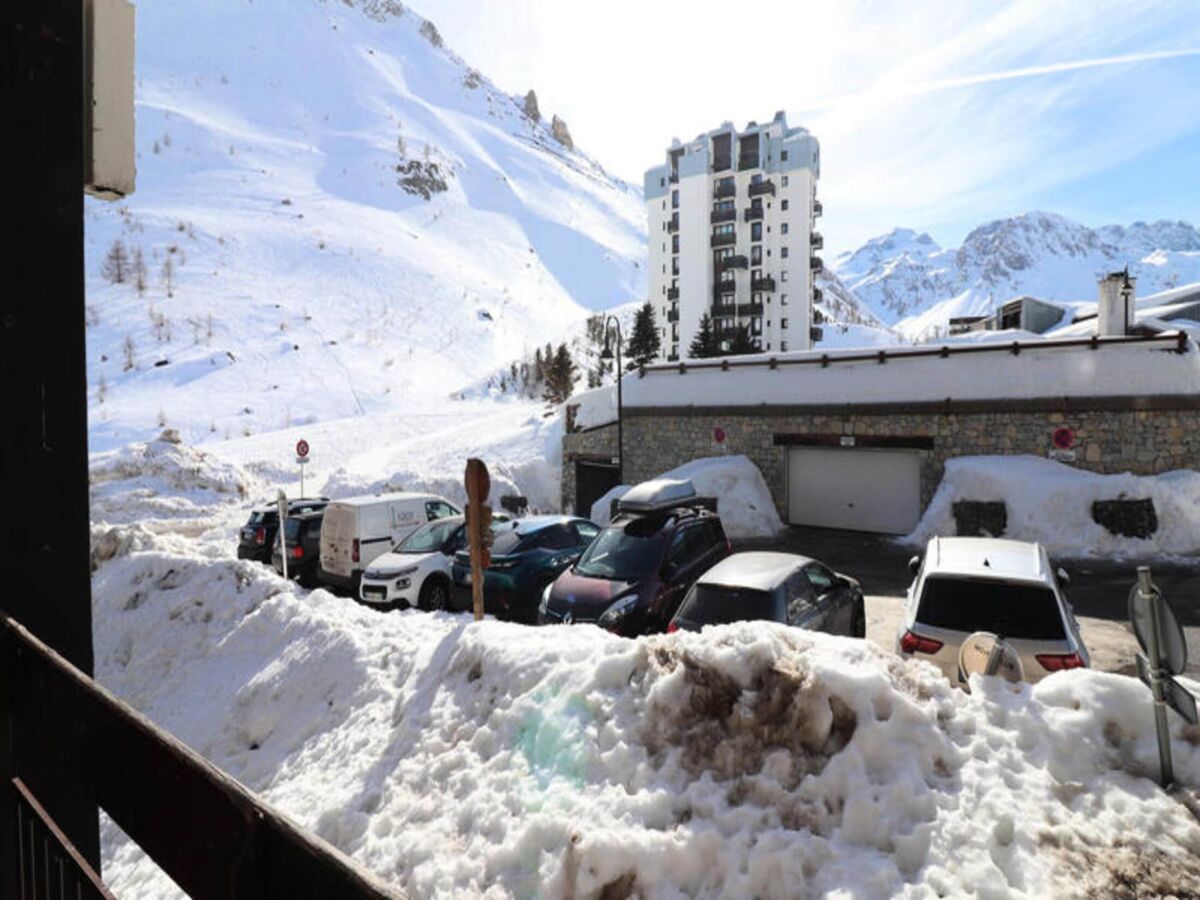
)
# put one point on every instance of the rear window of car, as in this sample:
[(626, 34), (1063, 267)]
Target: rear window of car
[(715, 604), (263, 517), (1011, 610), (506, 542), (291, 529)]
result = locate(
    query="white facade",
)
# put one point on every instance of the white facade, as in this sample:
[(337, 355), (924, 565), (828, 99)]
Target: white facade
[(731, 218)]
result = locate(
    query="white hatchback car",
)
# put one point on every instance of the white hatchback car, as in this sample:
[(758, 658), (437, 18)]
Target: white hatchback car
[(965, 584), (416, 572)]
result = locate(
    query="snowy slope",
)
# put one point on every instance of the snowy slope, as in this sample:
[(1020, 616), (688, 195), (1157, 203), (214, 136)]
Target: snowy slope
[(911, 282), (309, 284), (458, 759)]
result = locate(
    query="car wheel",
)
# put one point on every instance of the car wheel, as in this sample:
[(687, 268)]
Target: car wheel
[(435, 595), (859, 627)]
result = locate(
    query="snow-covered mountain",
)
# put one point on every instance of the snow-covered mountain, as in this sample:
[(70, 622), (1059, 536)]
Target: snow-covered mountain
[(911, 282), (335, 215)]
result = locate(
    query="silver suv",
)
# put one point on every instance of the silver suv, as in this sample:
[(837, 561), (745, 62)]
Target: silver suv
[(964, 585)]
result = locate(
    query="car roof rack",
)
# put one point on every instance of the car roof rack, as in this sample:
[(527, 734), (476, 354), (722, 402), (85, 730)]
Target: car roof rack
[(663, 495)]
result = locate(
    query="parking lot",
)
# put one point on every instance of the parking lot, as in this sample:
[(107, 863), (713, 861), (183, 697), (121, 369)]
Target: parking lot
[(1098, 590)]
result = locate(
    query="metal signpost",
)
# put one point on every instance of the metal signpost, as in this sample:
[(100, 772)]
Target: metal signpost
[(302, 459), (1162, 639), (479, 528), (281, 500)]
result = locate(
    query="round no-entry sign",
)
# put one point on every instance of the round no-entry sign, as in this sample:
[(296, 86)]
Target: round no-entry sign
[(1064, 438), (719, 434), (302, 448)]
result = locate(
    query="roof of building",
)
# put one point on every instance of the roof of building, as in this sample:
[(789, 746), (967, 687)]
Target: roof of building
[(760, 570), (979, 557)]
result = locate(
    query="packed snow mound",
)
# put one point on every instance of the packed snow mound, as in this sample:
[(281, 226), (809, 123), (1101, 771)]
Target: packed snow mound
[(467, 759), (162, 479), (1051, 503), (743, 498)]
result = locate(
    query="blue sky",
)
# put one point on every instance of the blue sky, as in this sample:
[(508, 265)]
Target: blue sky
[(936, 116)]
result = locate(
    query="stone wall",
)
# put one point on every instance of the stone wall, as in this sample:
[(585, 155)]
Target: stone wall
[(598, 443), (1143, 441)]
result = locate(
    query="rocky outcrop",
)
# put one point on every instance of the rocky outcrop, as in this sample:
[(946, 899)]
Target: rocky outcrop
[(531, 107), (561, 134), (430, 33)]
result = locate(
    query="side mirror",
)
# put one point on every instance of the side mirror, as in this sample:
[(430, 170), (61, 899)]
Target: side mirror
[(1063, 577), (914, 565)]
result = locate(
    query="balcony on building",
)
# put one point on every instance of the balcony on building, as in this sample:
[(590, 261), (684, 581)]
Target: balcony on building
[(750, 309), (818, 295), (673, 314), (722, 152), (673, 224), (817, 240), (723, 215), (737, 261), (672, 294), (724, 240), (748, 152), (723, 292), (728, 189), (766, 283), (722, 311), (766, 186), (818, 208), (753, 212), (815, 334), (816, 263)]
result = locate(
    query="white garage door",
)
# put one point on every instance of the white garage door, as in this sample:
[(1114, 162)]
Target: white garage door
[(862, 489)]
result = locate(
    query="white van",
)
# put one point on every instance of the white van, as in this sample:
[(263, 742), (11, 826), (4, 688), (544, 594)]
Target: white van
[(358, 529)]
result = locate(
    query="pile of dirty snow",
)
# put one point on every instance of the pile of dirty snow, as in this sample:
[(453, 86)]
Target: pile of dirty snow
[(743, 498), (1051, 503), (456, 758)]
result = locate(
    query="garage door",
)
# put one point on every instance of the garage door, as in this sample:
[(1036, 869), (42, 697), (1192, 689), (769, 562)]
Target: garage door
[(860, 489)]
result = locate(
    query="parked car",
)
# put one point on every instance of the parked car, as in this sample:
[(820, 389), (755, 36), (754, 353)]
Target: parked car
[(416, 572), (258, 537), (777, 587), (527, 555), (359, 529), (633, 577), (302, 540), (1009, 588)]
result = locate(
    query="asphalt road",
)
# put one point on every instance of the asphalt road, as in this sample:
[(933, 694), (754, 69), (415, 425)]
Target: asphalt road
[(1098, 589)]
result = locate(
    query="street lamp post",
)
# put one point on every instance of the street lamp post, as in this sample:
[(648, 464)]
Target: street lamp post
[(607, 354)]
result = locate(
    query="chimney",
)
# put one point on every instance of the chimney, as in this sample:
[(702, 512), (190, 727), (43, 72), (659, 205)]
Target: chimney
[(1115, 313)]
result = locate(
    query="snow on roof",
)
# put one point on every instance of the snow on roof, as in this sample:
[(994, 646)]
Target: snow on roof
[(986, 558), (758, 570)]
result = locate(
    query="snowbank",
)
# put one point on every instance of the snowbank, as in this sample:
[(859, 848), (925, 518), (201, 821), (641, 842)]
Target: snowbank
[(1051, 503), (595, 407), (743, 499), (462, 759)]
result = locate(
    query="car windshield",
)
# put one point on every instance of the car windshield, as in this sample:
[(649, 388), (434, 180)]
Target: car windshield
[(622, 553), (714, 604), (429, 537), (1008, 609)]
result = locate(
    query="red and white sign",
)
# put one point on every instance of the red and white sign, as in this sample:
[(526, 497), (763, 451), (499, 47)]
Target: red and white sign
[(302, 448), (1064, 438), (719, 434)]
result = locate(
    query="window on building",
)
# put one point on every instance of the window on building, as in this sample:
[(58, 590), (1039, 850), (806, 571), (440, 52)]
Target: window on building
[(783, 229), (756, 231), (783, 299), (664, 206), (756, 255), (783, 155), (726, 228), (755, 274), (756, 325), (783, 323), (675, 265), (783, 346), (674, 199), (785, 181), (782, 251), (756, 297), (783, 275), (783, 204), (674, 243), (756, 178)]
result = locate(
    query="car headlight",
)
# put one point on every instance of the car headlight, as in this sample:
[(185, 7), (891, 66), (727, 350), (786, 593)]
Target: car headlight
[(544, 605), (619, 610)]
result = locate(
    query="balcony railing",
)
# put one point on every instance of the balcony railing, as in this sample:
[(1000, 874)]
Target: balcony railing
[(817, 240), (816, 334), (721, 289), (766, 186), (753, 212), (673, 315), (748, 161), (722, 215), (722, 163), (674, 178), (673, 224), (724, 310), (672, 294), (737, 261), (816, 263), (724, 240), (749, 309), (818, 208), (725, 190), (766, 283), (818, 295)]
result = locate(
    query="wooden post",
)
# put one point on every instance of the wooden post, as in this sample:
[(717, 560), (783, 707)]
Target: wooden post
[(479, 528)]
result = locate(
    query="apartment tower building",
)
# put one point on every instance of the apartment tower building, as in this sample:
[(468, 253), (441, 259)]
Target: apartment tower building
[(731, 224)]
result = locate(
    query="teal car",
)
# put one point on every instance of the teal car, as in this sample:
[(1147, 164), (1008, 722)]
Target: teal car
[(527, 555)]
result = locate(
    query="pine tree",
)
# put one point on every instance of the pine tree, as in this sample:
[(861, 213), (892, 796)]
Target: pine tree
[(644, 344), (168, 276), (741, 342), (116, 263), (705, 344), (560, 377), (139, 269)]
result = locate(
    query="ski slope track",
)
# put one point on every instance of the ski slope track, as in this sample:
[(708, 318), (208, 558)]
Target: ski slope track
[(308, 283)]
